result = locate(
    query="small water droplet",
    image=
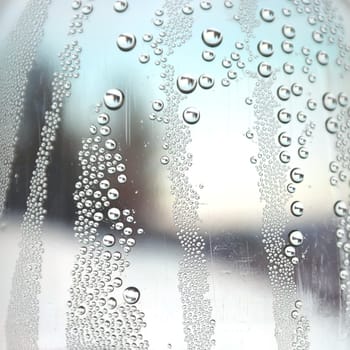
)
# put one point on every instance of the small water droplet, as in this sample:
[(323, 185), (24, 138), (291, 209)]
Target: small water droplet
[(144, 58), (343, 274), (87, 9), (297, 175), (287, 46), (103, 119), (303, 153), (284, 157), (297, 89), (267, 15), (208, 55), (311, 104), (206, 81), (212, 37), (298, 304), (186, 83), (131, 295), (297, 208), (288, 68), (187, 9), (126, 41), (120, 5), (164, 160), (343, 99), (113, 194), (113, 99), (76, 4), (147, 37), (228, 4), (317, 36), (340, 208), (191, 115), (111, 303), (284, 139), (296, 238)]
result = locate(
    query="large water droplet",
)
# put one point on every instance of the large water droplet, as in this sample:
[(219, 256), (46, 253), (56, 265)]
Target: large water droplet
[(332, 125), (126, 41), (283, 93), (265, 48), (288, 68), (340, 208), (206, 81), (113, 99), (120, 5), (187, 9), (297, 89), (289, 251), (297, 208), (205, 5), (288, 31), (287, 46), (264, 69), (267, 15), (114, 213), (296, 238), (329, 101), (297, 175), (322, 57), (108, 240), (131, 295), (191, 115), (212, 37), (186, 83), (284, 116), (284, 139)]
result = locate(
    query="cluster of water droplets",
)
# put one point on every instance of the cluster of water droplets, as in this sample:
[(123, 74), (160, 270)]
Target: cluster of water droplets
[(23, 312), (82, 9), (102, 311), (17, 58)]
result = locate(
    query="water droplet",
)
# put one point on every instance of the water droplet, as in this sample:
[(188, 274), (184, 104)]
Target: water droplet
[(343, 274), (288, 31), (87, 9), (288, 68), (113, 99), (289, 251), (284, 139), (284, 116), (284, 157), (322, 57), (303, 153), (298, 304), (131, 295), (187, 9), (317, 36), (81, 310), (297, 89), (114, 214), (311, 104), (144, 58), (231, 74), (191, 115), (76, 4), (340, 208), (294, 314), (205, 5), (283, 93), (264, 69), (164, 160), (329, 101), (104, 184), (126, 41), (267, 15), (157, 105), (147, 37), (297, 208), (105, 130), (212, 37), (343, 99), (103, 119), (205, 81), (295, 260), (113, 194), (301, 116), (111, 303), (287, 46), (226, 63), (297, 175), (186, 83), (120, 5), (332, 125), (228, 4), (108, 240), (296, 238), (225, 82), (208, 55), (265, 48), (98, 216)]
